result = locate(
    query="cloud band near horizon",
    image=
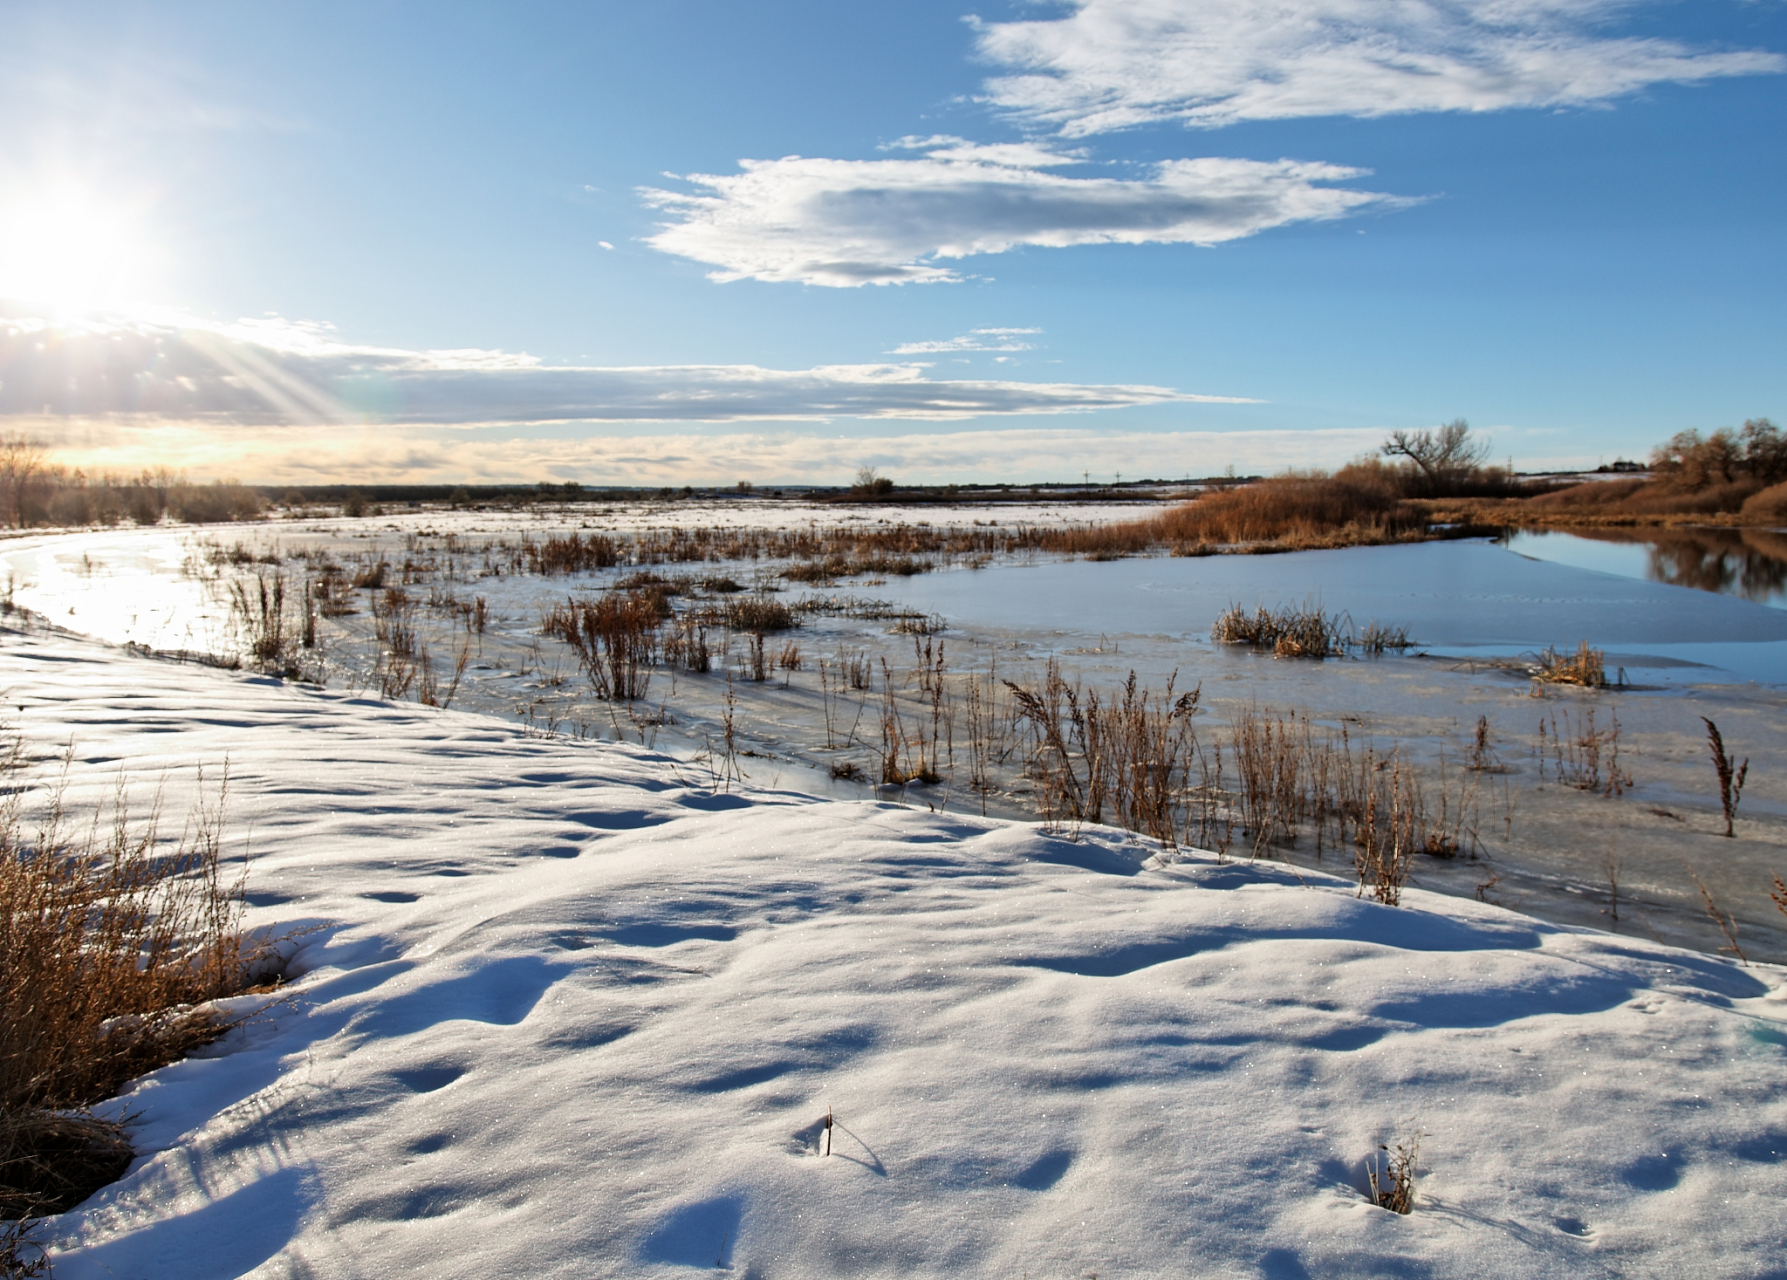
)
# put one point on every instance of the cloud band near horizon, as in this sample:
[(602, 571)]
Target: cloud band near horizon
[(274, 373), (1016, 454)]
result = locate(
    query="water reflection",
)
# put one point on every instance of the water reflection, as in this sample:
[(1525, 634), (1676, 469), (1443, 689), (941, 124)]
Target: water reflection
[(1749, 563)]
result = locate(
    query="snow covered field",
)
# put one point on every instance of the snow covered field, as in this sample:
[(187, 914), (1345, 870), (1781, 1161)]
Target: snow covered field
[(569, 1011)]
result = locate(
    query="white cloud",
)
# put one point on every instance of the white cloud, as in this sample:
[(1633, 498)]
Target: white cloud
[(856, 222), (974, 340), (1113, 64), (274, 372)]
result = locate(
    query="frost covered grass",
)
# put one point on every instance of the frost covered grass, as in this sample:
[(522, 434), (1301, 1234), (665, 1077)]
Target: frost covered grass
[(567, 1008)]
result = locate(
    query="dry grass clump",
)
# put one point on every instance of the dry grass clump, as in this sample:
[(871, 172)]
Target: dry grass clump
[(843, 566), (1724, 921), (1583, 756), (1391, 828), (685, 646), (1634, 500), (755, 614), (1131, 756), (1305, 632), (572, 553), (1390, 1174), (1586, 667), (817, 571), (899, 566), (260, 613), (1297, 506), (1289, 633), (614, 638), (824, 553), (112, 941), (919, 624), (1378, 639), (273, 623), (1360, 504), (1287, 776), (403, 662)]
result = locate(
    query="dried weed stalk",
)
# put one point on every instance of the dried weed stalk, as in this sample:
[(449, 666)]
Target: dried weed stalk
[(1726, 922), (1583, 756), (1731, 775)]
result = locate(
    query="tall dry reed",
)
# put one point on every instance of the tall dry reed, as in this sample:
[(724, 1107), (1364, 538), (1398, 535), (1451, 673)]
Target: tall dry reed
[(1132, 754), (614, 638)]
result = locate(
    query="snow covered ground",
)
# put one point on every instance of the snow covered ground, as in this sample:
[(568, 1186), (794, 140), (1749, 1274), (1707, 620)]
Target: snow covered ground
[(570, 1011)]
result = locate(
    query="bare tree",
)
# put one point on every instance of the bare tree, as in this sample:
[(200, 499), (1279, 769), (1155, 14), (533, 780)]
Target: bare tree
[(20, 459), (1443, 455)]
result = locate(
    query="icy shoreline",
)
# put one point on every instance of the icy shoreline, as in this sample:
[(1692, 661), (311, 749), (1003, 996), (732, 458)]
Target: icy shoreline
[(574, 1013)]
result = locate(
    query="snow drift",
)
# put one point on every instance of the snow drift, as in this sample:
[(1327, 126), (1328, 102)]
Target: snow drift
[(568, 1011)]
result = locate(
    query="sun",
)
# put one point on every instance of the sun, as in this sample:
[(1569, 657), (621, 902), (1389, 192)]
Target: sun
[(64, 249)]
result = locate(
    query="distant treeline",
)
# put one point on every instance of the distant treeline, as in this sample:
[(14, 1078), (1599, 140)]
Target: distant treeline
[(35, 491)]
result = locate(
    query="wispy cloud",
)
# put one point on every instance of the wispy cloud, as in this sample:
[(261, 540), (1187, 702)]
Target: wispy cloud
[(1113, 64), (854, 222), (973, 340), (273, 372)]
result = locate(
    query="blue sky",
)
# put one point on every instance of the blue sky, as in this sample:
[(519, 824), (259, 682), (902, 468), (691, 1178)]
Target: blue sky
[(694, 241)]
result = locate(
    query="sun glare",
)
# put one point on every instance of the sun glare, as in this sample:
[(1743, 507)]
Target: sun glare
[(64, 249)]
